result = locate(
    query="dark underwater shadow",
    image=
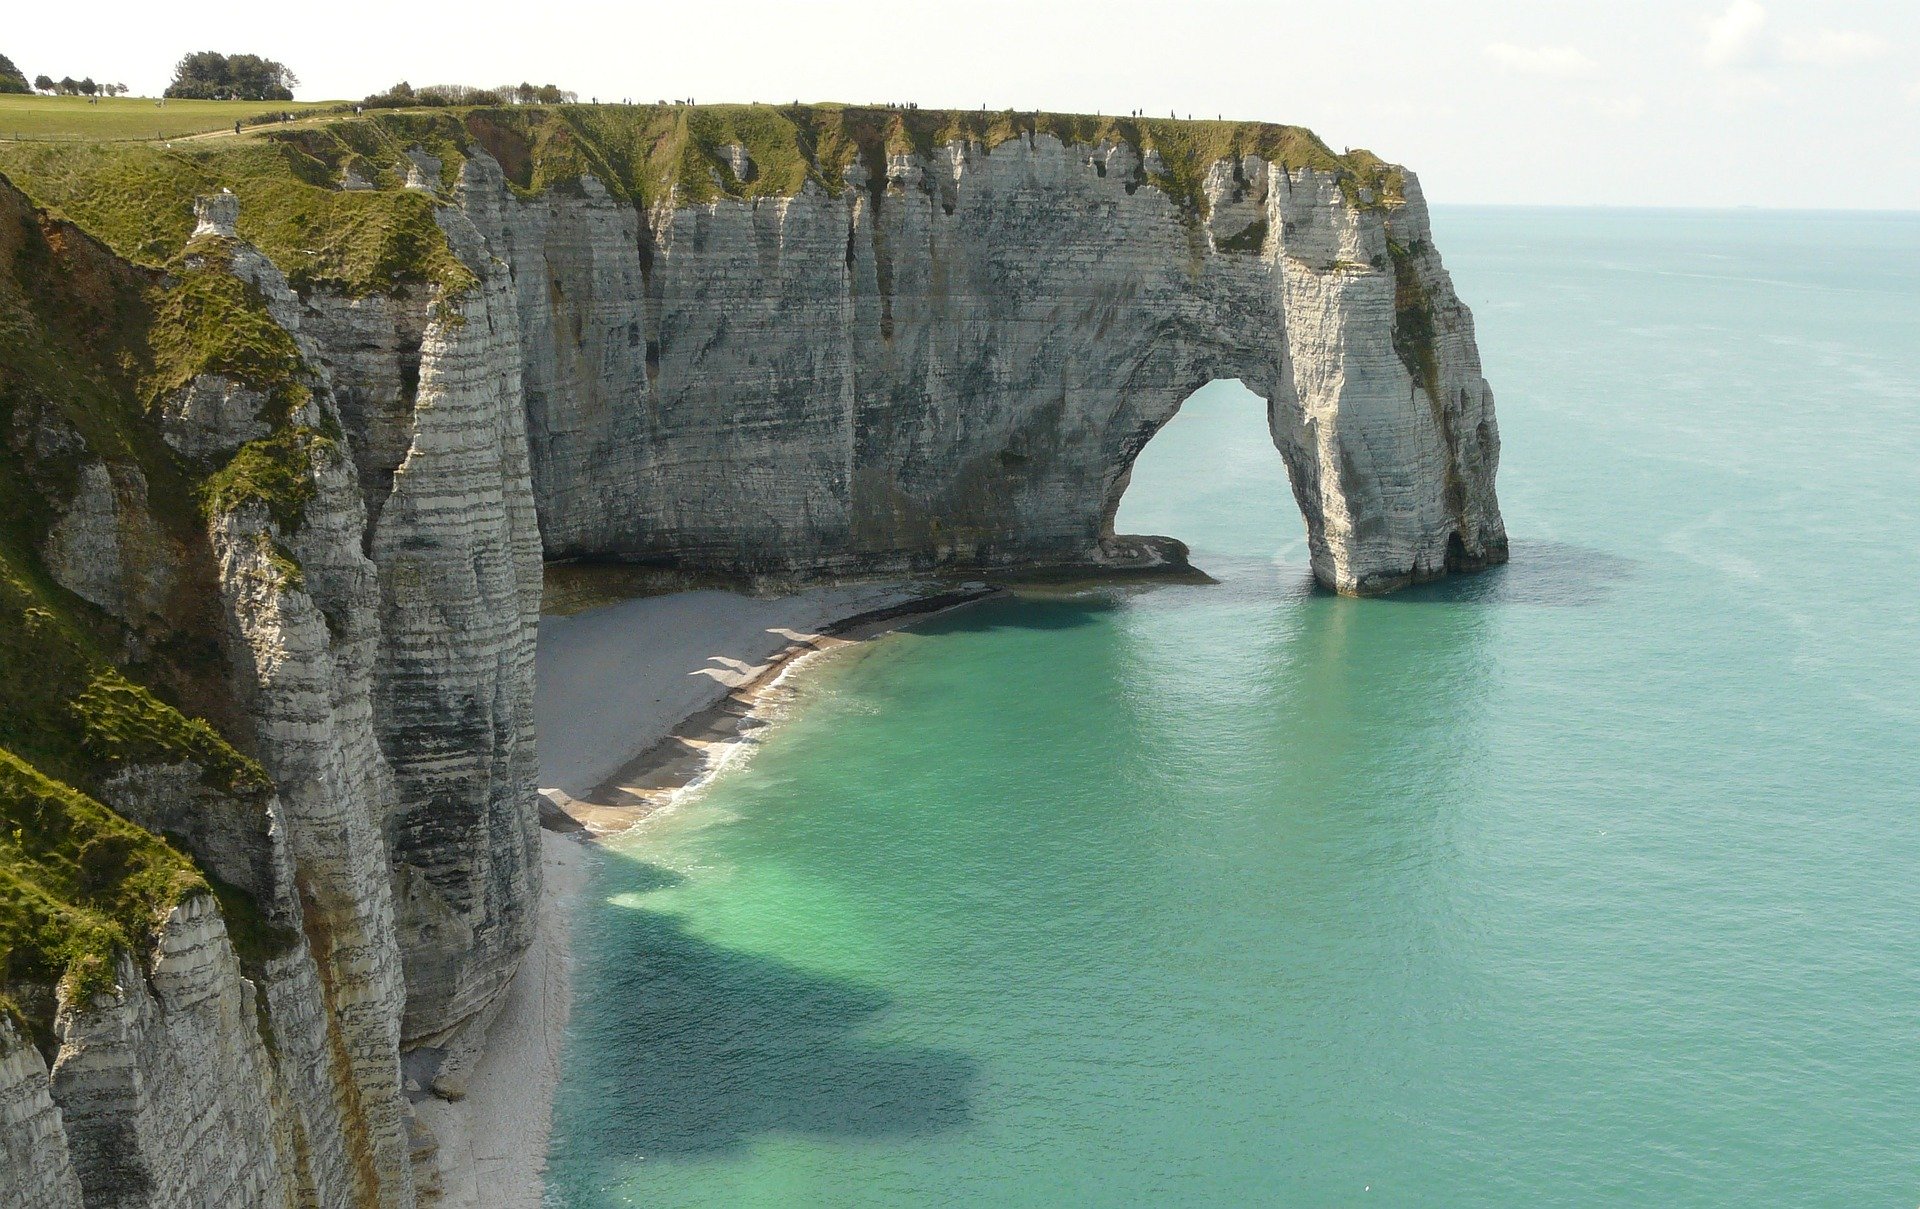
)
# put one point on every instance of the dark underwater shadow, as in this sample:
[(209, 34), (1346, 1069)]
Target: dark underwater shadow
[(699, 1049), (1543, 573), (1024, 613)]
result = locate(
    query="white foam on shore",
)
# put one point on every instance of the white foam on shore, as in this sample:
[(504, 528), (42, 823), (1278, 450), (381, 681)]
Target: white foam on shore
[(614, 681)]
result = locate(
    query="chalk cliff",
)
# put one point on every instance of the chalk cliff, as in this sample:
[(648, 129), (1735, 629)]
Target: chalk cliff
[(954, 362), (354, 402)]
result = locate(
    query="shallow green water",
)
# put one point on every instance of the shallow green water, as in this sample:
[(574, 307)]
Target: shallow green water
[(1592, 880)]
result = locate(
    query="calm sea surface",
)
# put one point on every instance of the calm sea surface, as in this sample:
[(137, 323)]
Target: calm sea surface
[(1591, 880)]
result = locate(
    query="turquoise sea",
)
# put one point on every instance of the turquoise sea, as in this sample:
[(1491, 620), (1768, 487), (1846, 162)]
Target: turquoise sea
[(1593, 880)]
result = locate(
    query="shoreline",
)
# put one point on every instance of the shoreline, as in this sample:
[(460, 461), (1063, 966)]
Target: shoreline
[(492, 1139), (706, 741)]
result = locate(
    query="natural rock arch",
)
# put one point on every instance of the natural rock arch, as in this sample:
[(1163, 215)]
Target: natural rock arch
[(1150, 549), (955, 367)]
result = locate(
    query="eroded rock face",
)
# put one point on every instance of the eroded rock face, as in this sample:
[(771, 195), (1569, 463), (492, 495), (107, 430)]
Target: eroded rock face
[(36, 1166), (430, 397), (383, 654), (955, 366), (206, 1074), (165, 1086)]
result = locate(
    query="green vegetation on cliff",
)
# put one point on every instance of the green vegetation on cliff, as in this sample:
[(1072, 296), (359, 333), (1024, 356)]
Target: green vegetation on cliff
[(77, 882), (209, 321), (138, 200), (76, 879), (275, 471), (84, 695), (650, 153), (1413, 327)]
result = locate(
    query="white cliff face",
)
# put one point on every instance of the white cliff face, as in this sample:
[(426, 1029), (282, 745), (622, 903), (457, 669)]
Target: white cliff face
[(165, 1086), (1401, 468), (430, 394), (104, 548), (311, 706), (304, 644), (958, 364), (311, 1146), (36, 1168), (383, 651)]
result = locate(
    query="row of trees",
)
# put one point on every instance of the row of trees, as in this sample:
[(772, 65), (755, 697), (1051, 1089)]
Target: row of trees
[(532, 94), (13, 80), (405, 96), (67, 86), (211, 76), (208, 75)]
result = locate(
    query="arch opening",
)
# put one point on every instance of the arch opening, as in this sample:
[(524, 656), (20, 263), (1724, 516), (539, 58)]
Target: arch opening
[(1211, 479)]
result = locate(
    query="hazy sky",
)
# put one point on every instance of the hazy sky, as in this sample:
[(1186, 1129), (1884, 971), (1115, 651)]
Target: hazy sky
[(1629, 102)]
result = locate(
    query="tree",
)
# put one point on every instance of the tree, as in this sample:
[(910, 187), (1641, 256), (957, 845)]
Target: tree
[(87, 88), (535, 94), (456, 94), (10, 78), (400, 96), (43, 82), (67, 86), (208, 75), (258, 79)]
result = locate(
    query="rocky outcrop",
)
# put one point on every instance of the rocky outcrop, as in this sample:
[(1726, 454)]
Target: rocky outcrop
[(429, 389), (954, 363), (408, 758), (165, 1085), (396, 869)]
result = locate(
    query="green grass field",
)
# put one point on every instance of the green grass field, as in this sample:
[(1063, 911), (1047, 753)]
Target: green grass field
[(32, 117)]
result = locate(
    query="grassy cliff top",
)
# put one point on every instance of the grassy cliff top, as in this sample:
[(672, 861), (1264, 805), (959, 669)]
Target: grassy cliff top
[(138, 197), (641, 151), (135, 118), (653, 154), (78, 329)]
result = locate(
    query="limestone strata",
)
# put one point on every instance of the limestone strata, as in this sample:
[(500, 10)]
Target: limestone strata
[(36, 1169), (956, 365), (382, 644), (430, 392), (164, 1092), (165, 1086)]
